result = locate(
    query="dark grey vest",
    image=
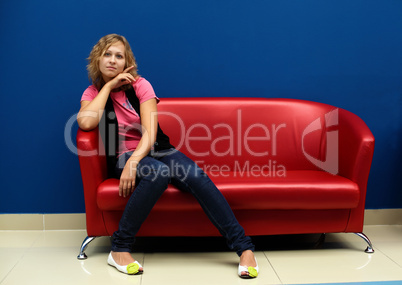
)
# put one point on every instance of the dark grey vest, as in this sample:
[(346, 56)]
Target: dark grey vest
[(108, 128)]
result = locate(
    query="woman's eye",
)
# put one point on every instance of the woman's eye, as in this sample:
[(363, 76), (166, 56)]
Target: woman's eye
[(107, 53), (119, 56)]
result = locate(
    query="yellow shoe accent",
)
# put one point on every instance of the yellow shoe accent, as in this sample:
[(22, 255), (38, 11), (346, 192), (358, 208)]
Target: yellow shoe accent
[(133, 268), (252, 272)]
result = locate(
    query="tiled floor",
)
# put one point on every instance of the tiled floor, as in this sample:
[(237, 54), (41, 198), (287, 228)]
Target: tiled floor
[(49, 257)]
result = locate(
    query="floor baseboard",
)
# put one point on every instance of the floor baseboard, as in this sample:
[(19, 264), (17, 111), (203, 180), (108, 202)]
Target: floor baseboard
[(77, 221)]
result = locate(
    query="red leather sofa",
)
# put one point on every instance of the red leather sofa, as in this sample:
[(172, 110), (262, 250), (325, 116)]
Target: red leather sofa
[(285, 166)]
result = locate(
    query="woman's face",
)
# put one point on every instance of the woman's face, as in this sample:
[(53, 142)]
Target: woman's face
[(113, 61)]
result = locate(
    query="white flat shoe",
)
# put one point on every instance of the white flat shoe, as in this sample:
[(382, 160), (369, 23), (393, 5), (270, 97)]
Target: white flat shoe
[(252, 271), (132, 268)]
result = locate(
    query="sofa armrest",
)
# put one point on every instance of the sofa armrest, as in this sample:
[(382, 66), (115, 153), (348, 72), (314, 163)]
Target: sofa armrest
[(93, 173), (356, 149)]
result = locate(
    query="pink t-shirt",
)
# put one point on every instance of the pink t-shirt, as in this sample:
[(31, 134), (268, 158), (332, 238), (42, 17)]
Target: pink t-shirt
[(127, 118)]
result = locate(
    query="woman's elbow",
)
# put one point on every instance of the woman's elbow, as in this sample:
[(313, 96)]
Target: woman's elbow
[(86, 125)]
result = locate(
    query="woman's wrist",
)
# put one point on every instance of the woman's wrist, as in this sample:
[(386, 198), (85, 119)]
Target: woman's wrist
[(107, 87), (131, 165)]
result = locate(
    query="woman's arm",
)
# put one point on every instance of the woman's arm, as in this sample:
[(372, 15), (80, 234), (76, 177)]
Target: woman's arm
[(91, 111), (149, 124)]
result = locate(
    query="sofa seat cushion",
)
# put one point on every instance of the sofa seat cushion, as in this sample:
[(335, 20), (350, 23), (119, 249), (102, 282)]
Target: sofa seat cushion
[(298, 190)]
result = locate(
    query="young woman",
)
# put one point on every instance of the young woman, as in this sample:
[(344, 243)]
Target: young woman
[(145, 156)]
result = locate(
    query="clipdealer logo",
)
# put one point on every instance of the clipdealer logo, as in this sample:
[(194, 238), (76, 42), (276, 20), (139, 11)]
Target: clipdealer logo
[(331, 162)]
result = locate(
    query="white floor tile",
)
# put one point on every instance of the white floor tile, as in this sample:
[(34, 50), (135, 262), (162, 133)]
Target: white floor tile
[(59, 265), (50, 257), (388, 240), (202, 268), (9, 259), (332, 265)]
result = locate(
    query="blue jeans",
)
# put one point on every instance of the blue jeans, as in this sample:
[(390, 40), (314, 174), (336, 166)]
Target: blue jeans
[(154, 173)]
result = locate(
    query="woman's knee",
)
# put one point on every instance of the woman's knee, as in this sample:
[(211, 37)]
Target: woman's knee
[(196, 175)]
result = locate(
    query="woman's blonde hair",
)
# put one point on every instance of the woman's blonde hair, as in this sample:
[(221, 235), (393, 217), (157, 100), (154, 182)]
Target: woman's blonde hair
[(99, 50)]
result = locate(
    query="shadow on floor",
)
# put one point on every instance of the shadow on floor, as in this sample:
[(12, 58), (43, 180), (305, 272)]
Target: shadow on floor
[(218, 244)]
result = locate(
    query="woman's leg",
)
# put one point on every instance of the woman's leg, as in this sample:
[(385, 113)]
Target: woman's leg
[(152, 181), (187, 176)]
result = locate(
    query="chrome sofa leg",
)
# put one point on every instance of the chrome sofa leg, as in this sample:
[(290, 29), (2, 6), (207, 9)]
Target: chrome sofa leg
[(84, 245), (369, 248)]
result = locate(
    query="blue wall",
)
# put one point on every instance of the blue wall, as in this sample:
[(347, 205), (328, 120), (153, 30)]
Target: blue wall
[(342, 52)]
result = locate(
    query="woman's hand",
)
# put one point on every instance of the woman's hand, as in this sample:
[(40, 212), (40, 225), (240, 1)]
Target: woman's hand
[(121, 79), (127, 178)]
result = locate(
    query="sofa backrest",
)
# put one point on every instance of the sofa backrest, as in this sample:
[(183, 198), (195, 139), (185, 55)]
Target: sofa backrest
[(240, 133)]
